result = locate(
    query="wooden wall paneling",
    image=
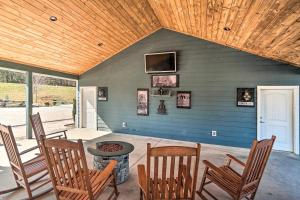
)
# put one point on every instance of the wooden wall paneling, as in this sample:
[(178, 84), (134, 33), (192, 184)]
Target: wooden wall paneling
[(239, 19), (191, 13), (286, 18), (203, 19), (186, 16), (71, 42), (42, 28), (216, 18), (252, 18), (197, 17), (267, 28), (98, 24), (159, 12), (263, 25), (175, 16), (72, 27), (223, 18)]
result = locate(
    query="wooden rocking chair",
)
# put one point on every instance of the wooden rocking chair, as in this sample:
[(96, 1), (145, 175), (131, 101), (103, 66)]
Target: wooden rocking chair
[(239, 186), (179, 182), (38, 130), (25, 173), (70, 175)]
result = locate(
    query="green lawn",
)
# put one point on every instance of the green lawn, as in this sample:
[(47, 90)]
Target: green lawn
[(45, 93)]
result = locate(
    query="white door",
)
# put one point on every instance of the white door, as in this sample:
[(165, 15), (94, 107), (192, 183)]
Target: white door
[(276, 117), (88, 107)]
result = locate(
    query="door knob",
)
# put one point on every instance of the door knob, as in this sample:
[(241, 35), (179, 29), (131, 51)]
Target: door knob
[(261, 120)]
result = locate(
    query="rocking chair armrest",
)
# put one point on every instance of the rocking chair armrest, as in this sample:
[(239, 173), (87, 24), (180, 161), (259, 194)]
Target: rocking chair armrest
[(231, 157), (142, 178), (107, 172), (58, 131), (54, 137), (29, 150), (218, 170)]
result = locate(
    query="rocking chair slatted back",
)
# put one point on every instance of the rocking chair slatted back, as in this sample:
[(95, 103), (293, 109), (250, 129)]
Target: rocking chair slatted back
[(68, 166), (172, 177), (256, 162), (37, 126), (11, 149)]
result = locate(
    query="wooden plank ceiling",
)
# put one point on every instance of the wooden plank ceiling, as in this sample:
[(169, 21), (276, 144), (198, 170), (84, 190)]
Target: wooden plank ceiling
[(269, 28), (70, 44)]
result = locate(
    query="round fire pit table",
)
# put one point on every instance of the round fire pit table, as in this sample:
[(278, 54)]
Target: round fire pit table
[(112, 150)]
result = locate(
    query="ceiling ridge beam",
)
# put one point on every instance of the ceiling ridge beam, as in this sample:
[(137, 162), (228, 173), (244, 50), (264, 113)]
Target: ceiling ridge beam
[(153, 10)]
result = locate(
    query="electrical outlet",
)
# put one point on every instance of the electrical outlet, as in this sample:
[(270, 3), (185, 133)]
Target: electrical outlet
[(124, 124), (214, 133)]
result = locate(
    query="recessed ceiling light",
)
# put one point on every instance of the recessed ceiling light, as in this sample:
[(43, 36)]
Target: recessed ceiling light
[(226, 28), (100, 44), (53, 18)]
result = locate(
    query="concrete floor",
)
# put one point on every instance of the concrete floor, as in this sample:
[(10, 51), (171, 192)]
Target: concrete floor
[(281, 179), (54, 117), (16, 115)]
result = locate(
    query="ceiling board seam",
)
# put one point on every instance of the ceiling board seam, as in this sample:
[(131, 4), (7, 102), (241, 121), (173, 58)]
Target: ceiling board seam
[(160, 23)]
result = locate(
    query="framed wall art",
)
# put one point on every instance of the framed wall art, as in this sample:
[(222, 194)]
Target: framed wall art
[(184, 99), (245, 97), (142, 101), (165, 81), (102, 94)]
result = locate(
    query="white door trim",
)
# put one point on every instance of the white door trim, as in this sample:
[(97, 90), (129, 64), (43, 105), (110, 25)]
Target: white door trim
[(95, 110), (295, 112)]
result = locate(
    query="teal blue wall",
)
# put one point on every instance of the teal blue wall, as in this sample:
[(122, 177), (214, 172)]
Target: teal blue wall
[(211, 71)]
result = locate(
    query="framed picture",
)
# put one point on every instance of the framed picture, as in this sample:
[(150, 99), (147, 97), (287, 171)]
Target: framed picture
[(102, 93), (184, 99), (245, 97), (143, 102), (165, 81)]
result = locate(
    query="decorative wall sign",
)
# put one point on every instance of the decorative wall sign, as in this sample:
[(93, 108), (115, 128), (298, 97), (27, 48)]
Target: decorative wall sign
[(165, 81), (245, 97), (142, 101), (162, 108), (184, 99), (102, 93), (161, 93)]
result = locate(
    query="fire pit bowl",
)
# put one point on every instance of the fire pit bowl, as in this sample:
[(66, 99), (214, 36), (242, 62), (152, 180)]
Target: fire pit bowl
[(112, 150)]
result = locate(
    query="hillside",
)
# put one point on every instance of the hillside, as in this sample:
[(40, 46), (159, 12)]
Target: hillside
[(45, 93)]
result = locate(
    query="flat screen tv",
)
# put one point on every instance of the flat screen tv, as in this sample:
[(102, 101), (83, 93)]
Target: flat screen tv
[(160, 62)]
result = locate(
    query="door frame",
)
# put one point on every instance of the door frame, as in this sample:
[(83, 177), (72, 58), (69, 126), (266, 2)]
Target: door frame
[(295, 112), (80, 103)]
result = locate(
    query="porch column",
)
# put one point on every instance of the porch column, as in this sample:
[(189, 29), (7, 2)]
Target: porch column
[(28, 104)]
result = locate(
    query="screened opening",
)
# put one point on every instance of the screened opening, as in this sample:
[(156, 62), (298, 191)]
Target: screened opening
[(13, 101), (55, 99)]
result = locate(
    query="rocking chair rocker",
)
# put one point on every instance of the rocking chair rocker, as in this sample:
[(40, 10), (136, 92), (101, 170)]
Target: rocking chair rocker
[(34, 169)]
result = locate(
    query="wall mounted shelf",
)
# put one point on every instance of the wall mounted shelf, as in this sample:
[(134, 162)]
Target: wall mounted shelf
[(165, 93)]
